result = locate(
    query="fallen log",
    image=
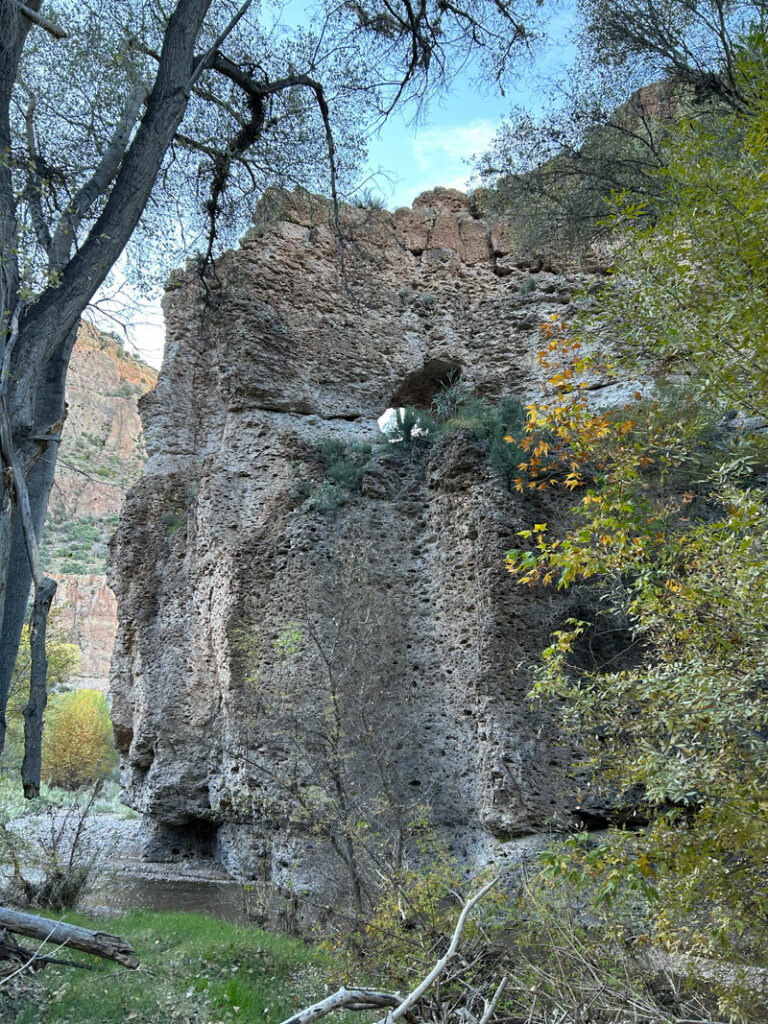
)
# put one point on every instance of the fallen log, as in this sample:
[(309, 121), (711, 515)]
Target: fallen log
[(101, 944)]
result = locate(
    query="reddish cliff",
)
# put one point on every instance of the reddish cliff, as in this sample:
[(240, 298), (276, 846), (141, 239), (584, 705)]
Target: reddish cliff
[(102, 455)]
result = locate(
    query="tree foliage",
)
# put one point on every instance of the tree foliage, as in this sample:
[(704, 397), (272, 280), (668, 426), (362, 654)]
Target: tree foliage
[(77, 742), (551, 175), (63, 662), (704, 258), (671, 529), (640, 69)]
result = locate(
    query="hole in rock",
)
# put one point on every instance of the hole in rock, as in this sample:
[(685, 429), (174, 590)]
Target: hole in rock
[(418, 389), (421, 386)]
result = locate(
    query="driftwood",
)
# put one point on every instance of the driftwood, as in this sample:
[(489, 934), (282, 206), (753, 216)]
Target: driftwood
[(367, 999), (101, 944), (345, 999)]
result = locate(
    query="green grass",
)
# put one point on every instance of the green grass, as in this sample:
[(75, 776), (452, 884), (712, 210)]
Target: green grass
[(14, 805), (193, 969)]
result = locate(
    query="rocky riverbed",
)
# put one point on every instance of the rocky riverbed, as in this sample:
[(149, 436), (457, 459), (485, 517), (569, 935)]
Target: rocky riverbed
[(119, 880)]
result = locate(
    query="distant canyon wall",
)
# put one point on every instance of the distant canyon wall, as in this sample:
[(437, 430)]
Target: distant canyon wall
[(101, 456)]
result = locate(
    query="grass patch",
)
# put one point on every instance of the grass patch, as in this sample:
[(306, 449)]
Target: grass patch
[(344, 464), (194, 968), (14, 804)]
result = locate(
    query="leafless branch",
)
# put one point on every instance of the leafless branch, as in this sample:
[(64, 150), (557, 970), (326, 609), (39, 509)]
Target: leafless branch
[(362, 999), (36, 18), (443, 962), (345, 998)]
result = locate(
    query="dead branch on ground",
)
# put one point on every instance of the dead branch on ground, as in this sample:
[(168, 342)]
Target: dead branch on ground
[(366, 999)]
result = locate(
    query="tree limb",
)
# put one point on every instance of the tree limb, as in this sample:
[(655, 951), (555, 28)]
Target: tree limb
[(34, 189), (364, 999), (102, 944), (37, 19), (345, 998), (443, 962), (10, 343), (31, 765), (66, 230), (57, 310), (14, 471), (257, 92), (490, 1007), (202, 63), (44, 586)]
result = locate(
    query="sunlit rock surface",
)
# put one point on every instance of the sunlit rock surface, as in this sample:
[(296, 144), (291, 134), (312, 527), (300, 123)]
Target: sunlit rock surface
[(219, 549)]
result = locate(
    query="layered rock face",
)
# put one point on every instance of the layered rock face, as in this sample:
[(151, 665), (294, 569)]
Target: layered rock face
[(260, 623), (86, 612), (102, 454)]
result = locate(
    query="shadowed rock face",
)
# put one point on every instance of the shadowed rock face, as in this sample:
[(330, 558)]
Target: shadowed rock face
[(218, 550)]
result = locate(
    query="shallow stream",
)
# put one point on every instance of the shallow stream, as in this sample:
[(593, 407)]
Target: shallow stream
[(123, 881), (121, 892)]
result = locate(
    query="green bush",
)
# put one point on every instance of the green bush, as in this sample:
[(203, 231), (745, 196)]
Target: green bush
[(63, 663), (346, 474), (324, 497), (451, 397), (344, 464), (173, 522), (457, 410), (468, 414)]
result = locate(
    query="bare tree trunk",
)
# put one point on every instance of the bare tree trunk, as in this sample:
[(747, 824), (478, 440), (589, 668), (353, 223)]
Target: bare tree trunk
[(101, 944), (35, 365), (38, 692)]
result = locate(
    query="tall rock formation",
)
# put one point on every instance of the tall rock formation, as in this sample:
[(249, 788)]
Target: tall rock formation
[(266, 614)]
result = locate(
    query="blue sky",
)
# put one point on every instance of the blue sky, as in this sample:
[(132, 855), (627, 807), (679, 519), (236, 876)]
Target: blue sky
[(439, 150)]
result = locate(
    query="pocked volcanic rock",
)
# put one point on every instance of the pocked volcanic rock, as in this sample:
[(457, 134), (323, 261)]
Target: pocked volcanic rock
[(305, 661)]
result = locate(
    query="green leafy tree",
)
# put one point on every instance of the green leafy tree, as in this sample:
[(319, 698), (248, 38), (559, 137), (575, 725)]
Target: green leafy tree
[(63, 662), (689, 292), (640, 68), (673, 533)]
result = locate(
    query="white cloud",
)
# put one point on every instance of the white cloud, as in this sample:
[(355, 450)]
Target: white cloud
[(449, 146), (438, 155)]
